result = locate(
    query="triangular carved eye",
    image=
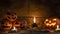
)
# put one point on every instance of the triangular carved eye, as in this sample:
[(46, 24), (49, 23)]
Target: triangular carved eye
[(54, 19), (16, 23), (8, 17), (14, 17), (8, 13), (47, 20)]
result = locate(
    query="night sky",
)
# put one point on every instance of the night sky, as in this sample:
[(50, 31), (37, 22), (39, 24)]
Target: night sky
[(31, 7)]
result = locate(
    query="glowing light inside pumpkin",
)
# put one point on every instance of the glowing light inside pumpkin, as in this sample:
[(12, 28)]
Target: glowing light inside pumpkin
[(34, 19), (52, 24), (54, 19), (46, 19), (14, 29), (49, 21)]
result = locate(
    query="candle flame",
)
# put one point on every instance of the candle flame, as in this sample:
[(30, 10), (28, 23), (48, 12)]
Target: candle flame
[(57, 26), (34, 19), (14, 28)]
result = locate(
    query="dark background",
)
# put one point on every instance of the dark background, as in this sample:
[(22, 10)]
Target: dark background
[(38, 8)]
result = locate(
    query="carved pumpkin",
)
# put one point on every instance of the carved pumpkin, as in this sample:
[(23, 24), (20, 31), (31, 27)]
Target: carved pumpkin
[(17, 25), (6, 25), (51, 23), (10, 16)]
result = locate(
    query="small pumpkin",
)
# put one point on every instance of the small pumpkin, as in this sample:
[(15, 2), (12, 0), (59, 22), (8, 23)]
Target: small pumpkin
[(51, 23), (20, 25), (6, 25), (17, 25)]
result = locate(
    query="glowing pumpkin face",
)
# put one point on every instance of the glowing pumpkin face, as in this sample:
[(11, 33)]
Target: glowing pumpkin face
[(10, 16), (6, 25), (50, 22)]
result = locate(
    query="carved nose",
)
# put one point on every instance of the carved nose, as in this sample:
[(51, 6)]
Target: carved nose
[(50, 21)]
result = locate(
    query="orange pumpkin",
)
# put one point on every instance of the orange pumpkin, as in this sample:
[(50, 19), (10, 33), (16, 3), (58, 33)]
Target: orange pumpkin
[(6, 26), (10, 16), (20, 25), (51, 23), (17, 25)]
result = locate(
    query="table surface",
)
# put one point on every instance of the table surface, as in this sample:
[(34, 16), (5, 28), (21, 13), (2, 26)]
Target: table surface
[(31, 32)]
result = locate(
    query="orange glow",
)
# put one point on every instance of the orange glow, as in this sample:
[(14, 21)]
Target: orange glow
[(14, 28), (34, 19), (52, 24), (57, 26), (47, 20), (54, 19), (50, 21)]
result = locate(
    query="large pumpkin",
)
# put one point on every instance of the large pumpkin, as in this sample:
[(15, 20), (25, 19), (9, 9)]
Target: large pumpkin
[(10, 16), (6, 25), (51, 23)]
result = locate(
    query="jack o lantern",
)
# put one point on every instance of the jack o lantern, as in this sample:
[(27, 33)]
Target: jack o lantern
[(51, 23), (10, 16), (6, 25), (17, 25)]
